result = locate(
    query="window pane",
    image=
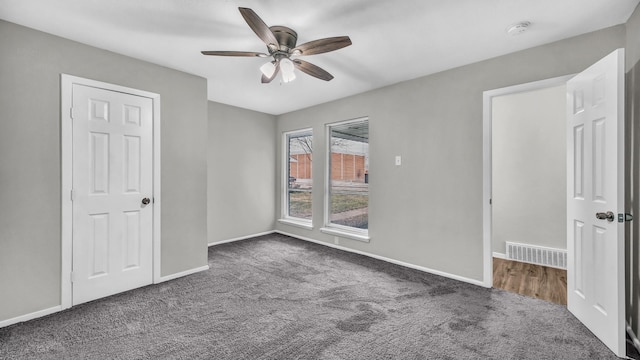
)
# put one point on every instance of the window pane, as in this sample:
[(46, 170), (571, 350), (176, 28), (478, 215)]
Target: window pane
[(299, 185), (349, 172)]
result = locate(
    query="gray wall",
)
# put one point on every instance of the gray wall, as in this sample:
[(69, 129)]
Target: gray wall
[(529, 169), (241, 172), (30, 66), (632, 168), (428, 211)]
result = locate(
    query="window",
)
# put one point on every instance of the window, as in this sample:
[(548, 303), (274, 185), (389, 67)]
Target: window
[(347, 203), (298, 178)]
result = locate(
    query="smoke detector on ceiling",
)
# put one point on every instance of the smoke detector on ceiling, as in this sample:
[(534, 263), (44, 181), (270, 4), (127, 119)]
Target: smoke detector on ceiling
[(518, 28)]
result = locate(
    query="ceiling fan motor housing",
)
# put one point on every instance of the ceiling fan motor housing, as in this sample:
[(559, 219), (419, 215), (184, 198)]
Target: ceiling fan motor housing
[(287, 38)]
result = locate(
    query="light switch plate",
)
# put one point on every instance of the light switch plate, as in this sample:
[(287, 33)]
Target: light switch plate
[(398, 160)]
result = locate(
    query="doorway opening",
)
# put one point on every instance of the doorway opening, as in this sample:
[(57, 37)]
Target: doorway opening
[(525, 189)]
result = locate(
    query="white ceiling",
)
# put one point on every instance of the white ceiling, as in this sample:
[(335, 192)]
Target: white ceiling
[(393, 41)]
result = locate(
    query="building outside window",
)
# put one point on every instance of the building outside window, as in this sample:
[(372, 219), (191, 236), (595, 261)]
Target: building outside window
[(348, 176), (299, 175)]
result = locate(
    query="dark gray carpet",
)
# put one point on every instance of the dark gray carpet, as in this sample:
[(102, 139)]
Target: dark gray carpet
[(275, 297)]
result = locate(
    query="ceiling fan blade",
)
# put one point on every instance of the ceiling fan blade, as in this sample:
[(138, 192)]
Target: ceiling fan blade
[(313, 70), (234, 53), (259, 27), (322, 46), (266, 80)]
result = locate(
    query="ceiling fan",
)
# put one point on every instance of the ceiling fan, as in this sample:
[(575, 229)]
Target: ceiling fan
[(281, 45)]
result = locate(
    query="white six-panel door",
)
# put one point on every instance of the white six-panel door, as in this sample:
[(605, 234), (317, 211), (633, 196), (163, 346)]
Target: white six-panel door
[(595, 175), (112, 175)]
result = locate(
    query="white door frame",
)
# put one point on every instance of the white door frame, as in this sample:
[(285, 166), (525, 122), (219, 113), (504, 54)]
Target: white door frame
[(66, 137), (487, 100)]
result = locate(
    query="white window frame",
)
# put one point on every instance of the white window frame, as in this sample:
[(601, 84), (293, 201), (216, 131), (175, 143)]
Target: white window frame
[(330, 228), (285, 217)]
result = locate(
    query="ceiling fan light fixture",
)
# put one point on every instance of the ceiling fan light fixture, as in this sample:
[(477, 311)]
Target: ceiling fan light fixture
[(288, 78), (268, 69), (287, 67)]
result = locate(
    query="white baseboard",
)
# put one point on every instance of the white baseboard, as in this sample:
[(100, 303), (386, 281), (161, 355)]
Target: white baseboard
[(393, 261), (51, 310), (183, 273), (241, 238), (30, 316), (499, 255), (634, 338)]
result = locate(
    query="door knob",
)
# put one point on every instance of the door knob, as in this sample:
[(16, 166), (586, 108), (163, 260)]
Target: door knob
[(605, 216), (146, 201)]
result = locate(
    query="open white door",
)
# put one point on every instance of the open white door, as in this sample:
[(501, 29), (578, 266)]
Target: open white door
[(595, 198)]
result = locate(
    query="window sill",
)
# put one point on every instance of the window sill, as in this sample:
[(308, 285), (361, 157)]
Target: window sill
[(360, 236), (297, 223)]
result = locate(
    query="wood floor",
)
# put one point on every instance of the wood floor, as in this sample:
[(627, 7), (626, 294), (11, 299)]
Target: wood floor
[(536, 281)]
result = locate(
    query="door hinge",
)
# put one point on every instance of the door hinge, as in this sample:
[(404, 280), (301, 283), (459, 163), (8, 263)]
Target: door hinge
[(73, 195), (73, 112), (490, 201), (625, 217), (72, 276)]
